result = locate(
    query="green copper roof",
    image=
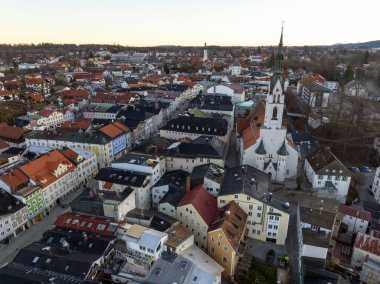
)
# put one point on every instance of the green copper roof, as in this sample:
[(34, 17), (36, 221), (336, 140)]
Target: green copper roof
[(282, 151), (261, 150)]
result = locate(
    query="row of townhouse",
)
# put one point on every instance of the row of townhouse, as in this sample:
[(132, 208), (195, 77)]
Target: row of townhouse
[(13, 217), (108, 142), (46, 119), (43, 183)]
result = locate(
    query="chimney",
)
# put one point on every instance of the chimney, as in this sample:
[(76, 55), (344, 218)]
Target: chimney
[(188, 186)]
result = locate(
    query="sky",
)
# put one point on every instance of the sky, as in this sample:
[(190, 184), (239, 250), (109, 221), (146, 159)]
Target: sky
[(190, 22)]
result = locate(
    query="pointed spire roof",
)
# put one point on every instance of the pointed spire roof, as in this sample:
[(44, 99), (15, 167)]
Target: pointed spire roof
[(281, 44), (282, 151), (261, 149), (236, 63)]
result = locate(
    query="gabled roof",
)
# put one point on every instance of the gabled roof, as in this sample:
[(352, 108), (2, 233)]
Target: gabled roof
[(12, 132), (96, 225), (255, 116), (203, 202), (41, 170), (231, 219), (367, 243), (82, 123), (354, 212), (324, 162), (15, 178)]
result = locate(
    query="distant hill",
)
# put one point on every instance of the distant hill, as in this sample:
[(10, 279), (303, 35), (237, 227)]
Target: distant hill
[(359, 45)]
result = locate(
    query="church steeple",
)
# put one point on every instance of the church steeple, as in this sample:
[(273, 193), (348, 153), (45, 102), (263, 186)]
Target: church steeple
[(279, 55), (275, 100), (205, 56)]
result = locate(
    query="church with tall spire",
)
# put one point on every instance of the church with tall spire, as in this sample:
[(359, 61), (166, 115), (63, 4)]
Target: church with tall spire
[(262, 137)]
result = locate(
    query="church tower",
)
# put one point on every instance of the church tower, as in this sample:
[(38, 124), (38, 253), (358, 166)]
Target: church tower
[(205, 56), (274, 107)]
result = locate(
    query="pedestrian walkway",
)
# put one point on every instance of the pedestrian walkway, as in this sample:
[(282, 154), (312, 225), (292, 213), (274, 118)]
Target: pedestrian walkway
[(232, 159), (35, 232)]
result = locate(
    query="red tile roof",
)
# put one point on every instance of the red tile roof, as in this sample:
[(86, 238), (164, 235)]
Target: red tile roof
[(75, 94), (71, 154), (5, 93), (42, 168), (357, 213), (45, 112), (249, 127), (3, 144), (203, 202), (34, 81), (14, 178), (231, 219), (82, 123), (367, 243), (114, 129), (12, 132), (102, 226), (35, 97)]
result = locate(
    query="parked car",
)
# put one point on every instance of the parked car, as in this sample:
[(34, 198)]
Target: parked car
[(364, 169), (354, 169), (270, 256)]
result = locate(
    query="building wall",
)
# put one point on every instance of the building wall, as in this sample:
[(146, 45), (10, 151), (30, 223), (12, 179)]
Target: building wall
[(103, 152), (370, 274), (190, 218), (157, 193), (35, 203), (260, 216), (167, 209), (211, 186), (118, 211), (176, 135), (183, 246), (222, 252), (19, 218), (178, 163), (355, 224), (342, 183), (376, 185), (358, 257), (5, 227), (314, 251)]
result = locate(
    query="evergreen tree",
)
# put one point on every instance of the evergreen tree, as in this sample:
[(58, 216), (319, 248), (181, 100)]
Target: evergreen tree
[(348, 74), (366, 57)]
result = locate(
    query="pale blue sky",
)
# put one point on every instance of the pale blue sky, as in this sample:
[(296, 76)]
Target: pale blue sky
[(191, 22)]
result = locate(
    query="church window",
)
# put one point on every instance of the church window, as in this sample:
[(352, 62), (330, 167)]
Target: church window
[(274, 116)]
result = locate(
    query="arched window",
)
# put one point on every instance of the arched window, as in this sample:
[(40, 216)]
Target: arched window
[(278, 98), (274, 116)]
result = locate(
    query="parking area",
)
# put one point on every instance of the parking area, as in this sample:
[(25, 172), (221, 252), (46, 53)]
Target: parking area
[(259, 250)]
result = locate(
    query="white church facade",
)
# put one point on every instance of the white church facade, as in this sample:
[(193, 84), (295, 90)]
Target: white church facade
[(262, 134)]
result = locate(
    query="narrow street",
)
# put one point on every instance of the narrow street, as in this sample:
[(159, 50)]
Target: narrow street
[(35, 232), (232, 159), (291, 245)]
